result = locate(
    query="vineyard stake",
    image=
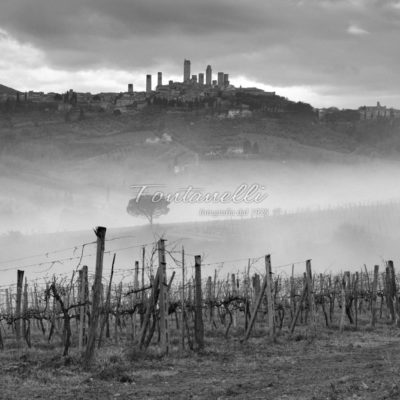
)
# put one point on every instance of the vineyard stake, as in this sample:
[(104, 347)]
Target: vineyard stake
[(198, 321), (393, 292), (311, 299), (162, 266), (270, 300), (299, 307), (26, 321), (108, 303), (94, 320), (183, 302), (150, 307), (83, 292), (255, 310), (20, 280), (373, 296), (143, 262), (343, 312)]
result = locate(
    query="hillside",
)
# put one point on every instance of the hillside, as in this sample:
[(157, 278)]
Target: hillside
[(7, 90), (206, 133), (58, 175)]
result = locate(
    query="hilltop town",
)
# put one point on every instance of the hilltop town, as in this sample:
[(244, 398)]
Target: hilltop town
[(196, 92), (208, 117)]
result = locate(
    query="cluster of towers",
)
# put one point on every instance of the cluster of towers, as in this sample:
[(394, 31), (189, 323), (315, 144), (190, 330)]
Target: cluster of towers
[(222, 81), (149, 84)]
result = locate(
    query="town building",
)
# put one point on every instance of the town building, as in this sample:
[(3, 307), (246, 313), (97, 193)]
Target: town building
[(208, 75), (201, 78), (186, 71), (148, 83), (220, 79), (375, 112), (226, 79)]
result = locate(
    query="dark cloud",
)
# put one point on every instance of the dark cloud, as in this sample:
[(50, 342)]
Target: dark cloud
[(348, 44)]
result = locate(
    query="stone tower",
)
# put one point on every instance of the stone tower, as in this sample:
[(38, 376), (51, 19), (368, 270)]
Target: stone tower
[(148, 83), (201, 78), (186, 71), (220, 79), (226, 79), (208, 75)]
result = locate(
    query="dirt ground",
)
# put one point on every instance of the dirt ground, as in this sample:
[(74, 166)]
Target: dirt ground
[(353, 365)]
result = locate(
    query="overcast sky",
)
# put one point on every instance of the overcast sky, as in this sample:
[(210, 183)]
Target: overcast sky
[(326, 52)]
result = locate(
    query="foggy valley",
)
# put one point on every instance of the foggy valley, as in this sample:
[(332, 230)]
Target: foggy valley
[(59, 180)]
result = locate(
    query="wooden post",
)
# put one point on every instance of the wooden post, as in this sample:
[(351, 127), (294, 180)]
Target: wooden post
[(25, 319), (292, 295), (393, 292), (183, 302), (361, 300), (233, 294), (255, 309), (149, 310), (94, 320), (164, 328), (373, 296), (143, 293), (343, 297), (256, 292), (382, 288), (136, 279), (117, 321), (389, 293), (247, 294), (83, 275), (198, 321), (344, 300), (270, 299), (108, 304), (355, 296), (322, 294), (299, 305), (143, 262), (311, 299), (20, 281), (24, 308), (214, 294)]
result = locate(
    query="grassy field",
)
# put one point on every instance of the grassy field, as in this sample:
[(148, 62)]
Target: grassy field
[(361, 364)]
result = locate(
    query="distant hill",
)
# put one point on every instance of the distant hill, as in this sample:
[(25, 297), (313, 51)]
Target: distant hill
[(8, 90)]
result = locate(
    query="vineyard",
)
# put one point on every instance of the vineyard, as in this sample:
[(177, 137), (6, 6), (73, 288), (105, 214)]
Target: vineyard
[(163, 307)]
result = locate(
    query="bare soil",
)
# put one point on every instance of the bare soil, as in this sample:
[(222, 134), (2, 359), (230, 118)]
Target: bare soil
[(353, 365)]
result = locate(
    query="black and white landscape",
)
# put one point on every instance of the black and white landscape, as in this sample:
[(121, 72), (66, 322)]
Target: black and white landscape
[(233, 131)]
